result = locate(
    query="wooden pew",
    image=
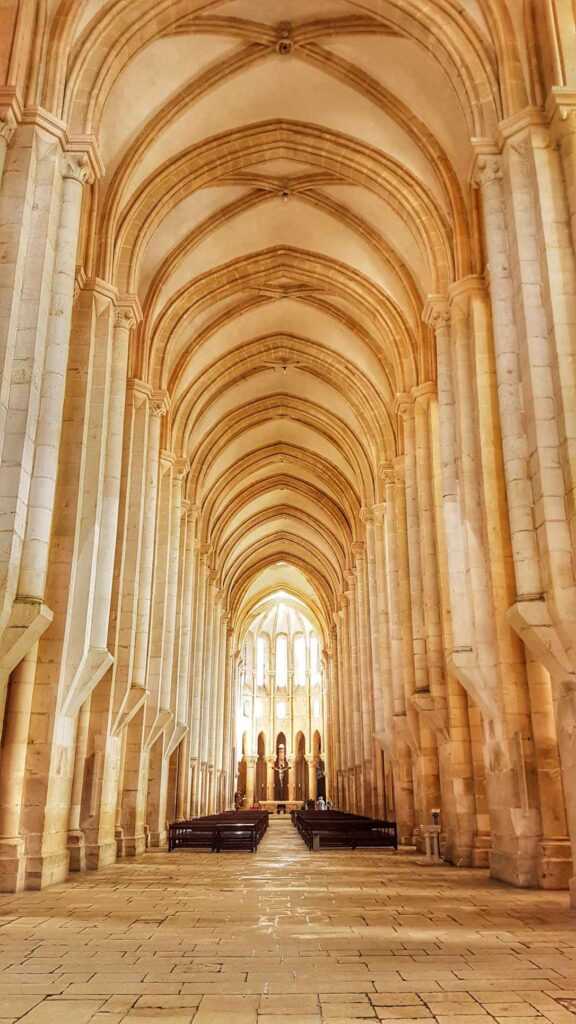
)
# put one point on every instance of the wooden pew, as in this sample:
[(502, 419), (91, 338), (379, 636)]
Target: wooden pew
[(333, 830), (231, 830)]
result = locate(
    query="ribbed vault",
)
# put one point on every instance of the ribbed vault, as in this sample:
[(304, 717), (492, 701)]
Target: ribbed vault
[(286, 187)]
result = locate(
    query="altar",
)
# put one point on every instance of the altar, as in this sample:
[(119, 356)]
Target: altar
[(290, 805)]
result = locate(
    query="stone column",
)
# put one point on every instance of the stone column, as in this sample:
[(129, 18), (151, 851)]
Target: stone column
[(355, 682), (75, 834), (76, 173), (312, 778), (133, 795), (379, 629), (270, 778), (250, 779), (515, 313), (399, 637), (197, 677), (406, 412), (12, 773), (158, 698), (125, 321), (428, 552), (366, 683), (158, 408), (489, 177)]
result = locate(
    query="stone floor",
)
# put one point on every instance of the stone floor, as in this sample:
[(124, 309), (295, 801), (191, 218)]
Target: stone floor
[(286, 935)]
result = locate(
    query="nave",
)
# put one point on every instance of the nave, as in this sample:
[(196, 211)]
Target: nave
[(286, 937), (288, 426)]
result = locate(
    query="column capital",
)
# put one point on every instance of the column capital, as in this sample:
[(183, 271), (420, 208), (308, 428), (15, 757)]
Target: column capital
[(436, 312), (424, 392), (7, 128), (367, 516), (561, 112), (386, 472), (87, 146), (487, 163), (128, 311), (404, 406), (181, 467), (76, 167), (124, 319), (159, 403)]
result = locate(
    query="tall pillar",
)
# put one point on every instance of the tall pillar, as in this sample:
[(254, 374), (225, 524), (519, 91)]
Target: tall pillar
[(311, 766), (366, 683), (250, 779)]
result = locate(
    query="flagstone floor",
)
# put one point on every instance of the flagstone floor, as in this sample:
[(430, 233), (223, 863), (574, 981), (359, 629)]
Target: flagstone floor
[(286, 936)]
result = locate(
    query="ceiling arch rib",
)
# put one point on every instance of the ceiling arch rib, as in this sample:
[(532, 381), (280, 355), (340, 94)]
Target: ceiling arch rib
[(268, 467), (127, 234), (275, 355), (283, 250)]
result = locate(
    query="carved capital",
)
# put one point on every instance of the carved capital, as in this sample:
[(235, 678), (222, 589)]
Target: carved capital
[(423, 393), (7, 129), (124, 319), (366, 516), (181, 468), (436, 313), (404, 407), (79, 283), (561, 113), (159, 403), (487, 169), (128, 308), (76, 167)]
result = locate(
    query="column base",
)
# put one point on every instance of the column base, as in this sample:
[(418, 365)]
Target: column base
[(44, 870), (555, 866), (12, 864), (517, 867), (481, 851), (133, 846), (77, 850), (119, 837), (156, 840), (101, 855)]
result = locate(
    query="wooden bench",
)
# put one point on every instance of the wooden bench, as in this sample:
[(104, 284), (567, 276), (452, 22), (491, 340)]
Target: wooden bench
[(219, 832), (333, 830)]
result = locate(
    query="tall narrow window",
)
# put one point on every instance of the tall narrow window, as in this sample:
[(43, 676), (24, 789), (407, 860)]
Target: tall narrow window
[(261, 660), (314, 660), (300, 660), (282, 661)]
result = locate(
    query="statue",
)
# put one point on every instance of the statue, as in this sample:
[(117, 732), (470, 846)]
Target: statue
[(281, 767)]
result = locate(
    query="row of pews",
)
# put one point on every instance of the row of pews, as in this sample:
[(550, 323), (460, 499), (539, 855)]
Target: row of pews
[(232, 830), (339, 830)]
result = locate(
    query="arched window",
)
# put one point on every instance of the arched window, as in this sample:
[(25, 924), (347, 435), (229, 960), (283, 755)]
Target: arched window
[(261, 660), (314, 661), (300, 659), (281, 661)]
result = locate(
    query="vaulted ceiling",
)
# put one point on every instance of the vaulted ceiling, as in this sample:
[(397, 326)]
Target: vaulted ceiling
[(286, 182)]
